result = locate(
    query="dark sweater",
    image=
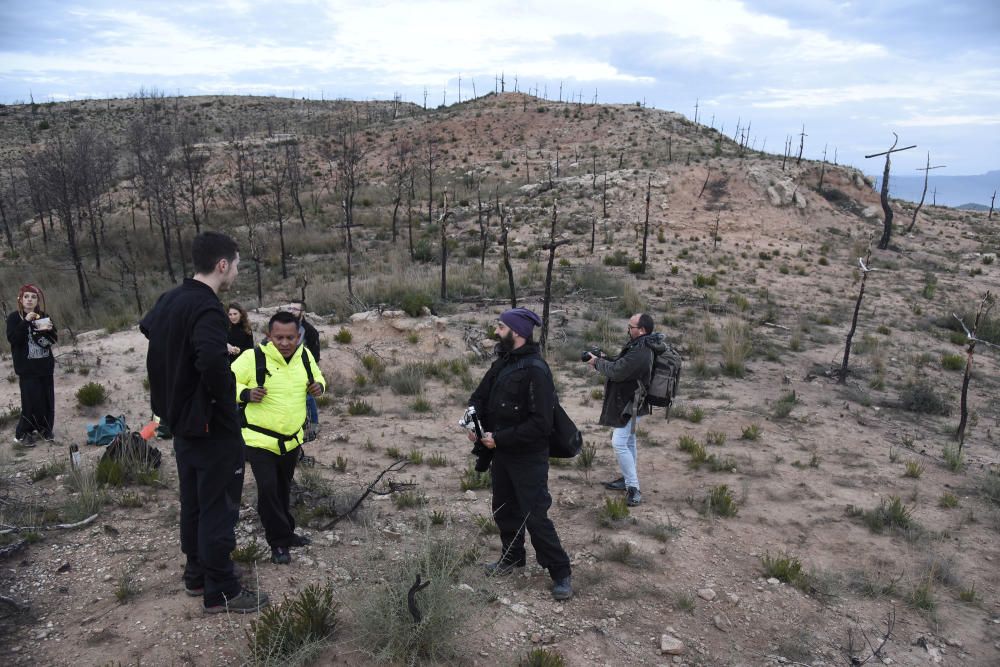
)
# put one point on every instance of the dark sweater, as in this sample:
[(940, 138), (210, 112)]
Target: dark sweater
[(31, 349), (238, 337), (517, 406), (311, 336), (191, 386)]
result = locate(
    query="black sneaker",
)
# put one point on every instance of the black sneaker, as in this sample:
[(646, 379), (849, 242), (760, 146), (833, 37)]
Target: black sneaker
[(616, 485), (26, 440), (247, 602), (280, 556), (501, 568), (299, 541), (563, 588), (194, 590), (632, 496)]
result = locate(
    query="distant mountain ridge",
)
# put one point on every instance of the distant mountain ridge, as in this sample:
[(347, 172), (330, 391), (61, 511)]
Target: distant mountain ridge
[(951, 190)]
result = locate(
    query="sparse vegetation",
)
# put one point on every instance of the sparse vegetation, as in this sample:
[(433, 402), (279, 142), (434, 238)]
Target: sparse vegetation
[(613, 511), (91, 394), (720, 502), (294, 631), (751, 432)]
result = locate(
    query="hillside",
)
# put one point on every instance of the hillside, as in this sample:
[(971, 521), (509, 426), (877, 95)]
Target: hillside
[(752, 271)]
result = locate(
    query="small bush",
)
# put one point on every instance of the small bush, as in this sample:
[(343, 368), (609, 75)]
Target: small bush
[(585, 459), (953, 362), (127, 585), (437, 461), (408, 380), (890, 514), (360, 407), (783, 406), (914, 469), (751, 432), (696, 414), (735, 347), (720, 502), (416, 457), (948, 501), (686, 443), (542, 657), (990, 488), (91, 394), (613, 511), (471, 479), (414, 302), (341, 464), (344, 336), (295, 630), (784, 568), (409, 499), (953, 458), (438, 518), (715, 438), (250, 552), (618, 258), (920, 397), (421, 405), (705, 281), (921, 596), (48, 470), (486, 525)]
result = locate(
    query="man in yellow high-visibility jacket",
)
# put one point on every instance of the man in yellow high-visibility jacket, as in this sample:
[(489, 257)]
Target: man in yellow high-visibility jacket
[(272, 381)]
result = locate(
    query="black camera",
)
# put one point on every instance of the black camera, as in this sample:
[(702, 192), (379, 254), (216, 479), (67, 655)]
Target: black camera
[(592, 350), (470, 422)]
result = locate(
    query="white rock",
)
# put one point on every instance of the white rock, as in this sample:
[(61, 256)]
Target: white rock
[(470, 495), (670, 645), (773, 581), (706, 594), (518, 608)]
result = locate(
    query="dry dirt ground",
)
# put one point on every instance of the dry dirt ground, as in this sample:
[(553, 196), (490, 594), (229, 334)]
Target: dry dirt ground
[(790, 274)]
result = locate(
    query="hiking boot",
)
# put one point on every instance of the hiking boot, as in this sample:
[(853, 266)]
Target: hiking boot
[(194, 590), (48, 436), (563, 588), (26, 440), (299, 541), (632, 496), (501, 568), (247, 602), (616, 485), (280, 556)]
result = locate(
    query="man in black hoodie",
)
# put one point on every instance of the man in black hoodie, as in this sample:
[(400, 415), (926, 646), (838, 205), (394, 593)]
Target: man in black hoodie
[(516, 403), (193, 391)]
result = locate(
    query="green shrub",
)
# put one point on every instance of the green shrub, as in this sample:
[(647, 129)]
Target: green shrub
[(408, 499), (920, 397), (720, 502), (735, 347), (914, 469), (414, 303), (705, 281), (344, 336), (715, 438), (471, 479), (421, 405), (783, 406), (953, 458), (785, 568), (751, 432), (386, 629), (613, 511), (542, 657), (91, 394), (359, 407), (250, 552), (585, 459), (617, 258), (295, 630), (953, 362), (890, 514), (948, 501)]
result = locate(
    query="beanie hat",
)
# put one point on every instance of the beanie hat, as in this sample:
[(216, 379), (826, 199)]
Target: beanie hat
[(521, 321), (36, 290)]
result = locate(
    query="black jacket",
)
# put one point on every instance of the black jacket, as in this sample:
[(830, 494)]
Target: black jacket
[(31, 349), (311, 337), (517, 405), (632, 367), (191, 386), (239, 338)]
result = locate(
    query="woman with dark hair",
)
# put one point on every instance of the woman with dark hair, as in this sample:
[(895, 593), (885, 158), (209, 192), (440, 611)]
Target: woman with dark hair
[(240, 335), (31, 335)]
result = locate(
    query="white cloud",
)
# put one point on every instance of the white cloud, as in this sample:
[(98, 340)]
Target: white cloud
[(948, 120)]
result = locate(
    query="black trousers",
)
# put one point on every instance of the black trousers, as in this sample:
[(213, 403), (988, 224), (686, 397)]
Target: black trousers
[(273, 473), (38, 405), (211, 485), (521, 502)]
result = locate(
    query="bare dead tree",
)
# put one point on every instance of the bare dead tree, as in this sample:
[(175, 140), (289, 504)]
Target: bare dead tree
[(593, 232), (971, 336), (350, 157), (293, 169), (483, 218), (788, 149), (708, 175), (927, 171), (400, 173), (715, 233), (275, 176), (992, 200), (504, 241), (645, 224), (802, 143), (886, 208), (193, 160), (547, 299), (527, 164), (822, 170), (444, 247), (865, 270), (410, 196), (862, 650), (604, 194)]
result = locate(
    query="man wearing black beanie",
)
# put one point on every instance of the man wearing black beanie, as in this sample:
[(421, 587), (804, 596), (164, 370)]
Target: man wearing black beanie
[(515, 402)]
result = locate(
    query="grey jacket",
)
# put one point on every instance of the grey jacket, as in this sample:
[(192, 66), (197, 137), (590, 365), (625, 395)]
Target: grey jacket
[(628, 376)]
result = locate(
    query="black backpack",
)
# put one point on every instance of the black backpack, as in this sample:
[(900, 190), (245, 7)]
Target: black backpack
[(260, 364), (131, 446), (565, 441), (665, 379)]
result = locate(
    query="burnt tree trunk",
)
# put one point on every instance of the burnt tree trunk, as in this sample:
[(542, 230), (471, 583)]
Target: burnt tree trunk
[(645, 225), (854, 321), (984, 308), (551, 247), (505, 232)]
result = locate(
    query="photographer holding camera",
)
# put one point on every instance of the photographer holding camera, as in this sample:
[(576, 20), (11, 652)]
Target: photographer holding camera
[(512, 417), (628, 375)]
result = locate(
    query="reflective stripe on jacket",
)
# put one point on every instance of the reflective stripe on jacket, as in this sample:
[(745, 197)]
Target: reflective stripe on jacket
[(284, 407)]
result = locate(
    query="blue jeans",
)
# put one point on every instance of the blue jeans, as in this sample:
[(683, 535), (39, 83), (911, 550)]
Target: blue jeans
[(623, 442), (311, 409)]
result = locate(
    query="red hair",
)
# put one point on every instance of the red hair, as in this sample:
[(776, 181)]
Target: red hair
[(39, 307)]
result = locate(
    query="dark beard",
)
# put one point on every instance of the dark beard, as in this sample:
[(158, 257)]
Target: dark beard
[(506, 344)]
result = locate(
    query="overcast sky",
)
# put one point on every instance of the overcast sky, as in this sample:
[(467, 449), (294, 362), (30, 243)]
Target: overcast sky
[(852, 72)]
